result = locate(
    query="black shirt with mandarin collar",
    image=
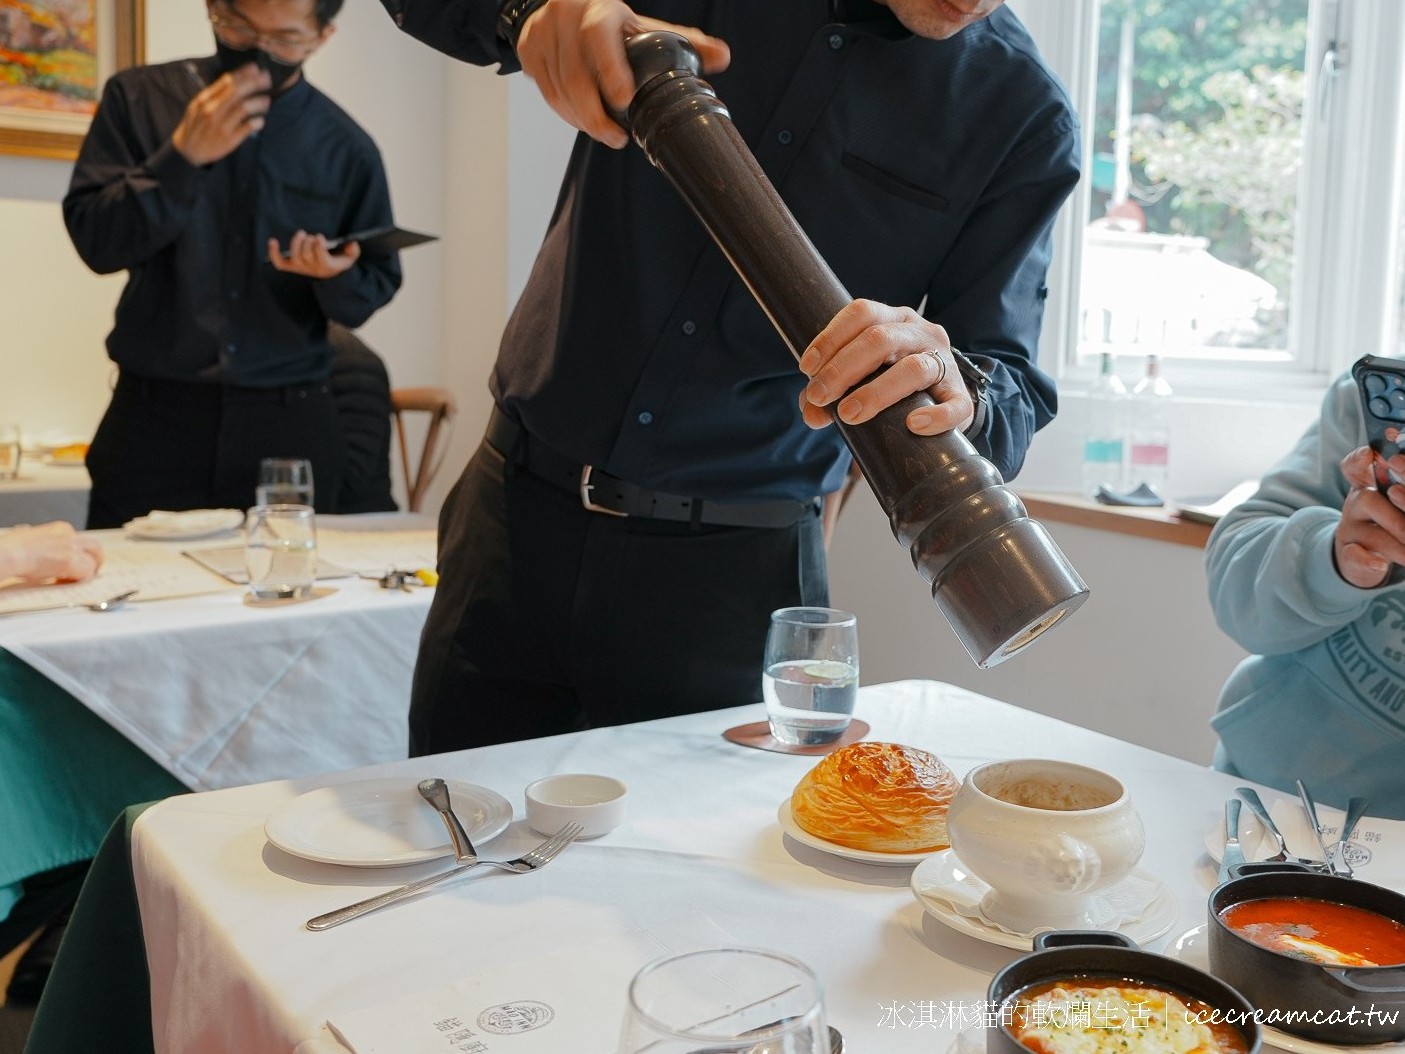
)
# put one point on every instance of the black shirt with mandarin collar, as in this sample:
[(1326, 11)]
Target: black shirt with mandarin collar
[(925, 172), (202, 302)]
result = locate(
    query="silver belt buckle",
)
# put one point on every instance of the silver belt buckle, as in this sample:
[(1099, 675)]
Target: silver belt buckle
[(586, 486)]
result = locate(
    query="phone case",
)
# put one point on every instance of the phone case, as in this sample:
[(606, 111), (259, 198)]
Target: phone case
[(1381, 383)]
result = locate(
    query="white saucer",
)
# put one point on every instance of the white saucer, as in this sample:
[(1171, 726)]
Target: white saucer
[(1193, 948), (945, 870), (863, 856), (382, 823), (181, 526)]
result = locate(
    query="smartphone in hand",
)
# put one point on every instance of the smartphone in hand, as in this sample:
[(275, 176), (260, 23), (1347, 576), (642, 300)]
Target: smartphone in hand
[(1381, 385)]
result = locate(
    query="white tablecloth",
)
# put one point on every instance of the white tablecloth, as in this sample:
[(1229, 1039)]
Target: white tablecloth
[(45, 492), (234, 970), (223, 694)]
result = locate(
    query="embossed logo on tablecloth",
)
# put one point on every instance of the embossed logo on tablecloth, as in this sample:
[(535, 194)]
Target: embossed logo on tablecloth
[(509, 1018)]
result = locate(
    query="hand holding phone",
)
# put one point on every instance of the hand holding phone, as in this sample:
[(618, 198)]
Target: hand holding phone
[(1381, 384)]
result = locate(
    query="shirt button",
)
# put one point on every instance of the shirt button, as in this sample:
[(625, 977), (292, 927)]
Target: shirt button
[(689, 328), (784, 137), (231, 349), (646, 418), (836, 41)]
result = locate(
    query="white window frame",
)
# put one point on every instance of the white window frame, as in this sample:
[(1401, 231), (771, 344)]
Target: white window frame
[(1347, 295)]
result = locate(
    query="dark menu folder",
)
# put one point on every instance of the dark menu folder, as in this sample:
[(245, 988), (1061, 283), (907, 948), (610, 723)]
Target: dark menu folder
[(380, 241)]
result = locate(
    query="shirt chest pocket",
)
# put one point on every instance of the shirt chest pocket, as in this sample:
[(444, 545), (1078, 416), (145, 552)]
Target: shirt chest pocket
[(882, 233), (305, 206)]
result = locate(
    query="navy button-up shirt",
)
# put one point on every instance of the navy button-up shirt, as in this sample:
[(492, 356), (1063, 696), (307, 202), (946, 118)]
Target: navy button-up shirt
[(927, 173), (202, 302)]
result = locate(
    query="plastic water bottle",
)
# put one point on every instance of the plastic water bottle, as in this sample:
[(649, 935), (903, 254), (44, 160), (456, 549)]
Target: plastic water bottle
[(1104, 444), (1151, 429)]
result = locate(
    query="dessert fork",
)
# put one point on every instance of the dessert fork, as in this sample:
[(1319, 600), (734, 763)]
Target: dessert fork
[(529, 861)]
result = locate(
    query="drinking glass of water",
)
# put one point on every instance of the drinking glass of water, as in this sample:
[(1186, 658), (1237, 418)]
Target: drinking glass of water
[(284, 481), (280, 551), (728, 1001), (811, 674)]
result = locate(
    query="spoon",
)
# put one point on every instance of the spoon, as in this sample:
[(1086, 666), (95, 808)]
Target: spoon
[(112, 603), (436, 792), (1256, 805)]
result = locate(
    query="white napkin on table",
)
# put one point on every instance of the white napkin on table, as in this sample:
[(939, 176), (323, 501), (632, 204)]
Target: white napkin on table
[(1376, 850), (570, 1000)]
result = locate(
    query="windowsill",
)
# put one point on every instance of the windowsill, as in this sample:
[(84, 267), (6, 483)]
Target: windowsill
[(1159, 525)]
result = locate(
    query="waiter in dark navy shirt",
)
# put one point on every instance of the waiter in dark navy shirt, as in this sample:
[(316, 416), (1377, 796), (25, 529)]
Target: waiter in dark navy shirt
[(648, 489), (215, 183)]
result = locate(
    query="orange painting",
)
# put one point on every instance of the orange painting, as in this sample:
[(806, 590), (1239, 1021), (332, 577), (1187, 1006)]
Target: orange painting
[(54, 56)]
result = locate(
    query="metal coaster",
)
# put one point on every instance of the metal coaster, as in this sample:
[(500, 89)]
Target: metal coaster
[(758, 735)]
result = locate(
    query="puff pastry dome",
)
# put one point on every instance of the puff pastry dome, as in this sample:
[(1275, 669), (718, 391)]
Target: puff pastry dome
[(879, 797)]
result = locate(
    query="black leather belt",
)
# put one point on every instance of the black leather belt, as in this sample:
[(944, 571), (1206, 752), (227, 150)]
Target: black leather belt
[(600, 492)]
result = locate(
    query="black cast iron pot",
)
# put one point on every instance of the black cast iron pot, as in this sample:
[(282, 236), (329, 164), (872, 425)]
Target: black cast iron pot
[(1330, 1004), (1066, 954)]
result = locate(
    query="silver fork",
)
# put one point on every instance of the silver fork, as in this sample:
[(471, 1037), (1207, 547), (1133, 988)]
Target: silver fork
[(529, 861)]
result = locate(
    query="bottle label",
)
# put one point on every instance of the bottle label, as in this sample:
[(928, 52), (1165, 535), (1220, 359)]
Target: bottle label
[(1150, 454), (1102, 450)]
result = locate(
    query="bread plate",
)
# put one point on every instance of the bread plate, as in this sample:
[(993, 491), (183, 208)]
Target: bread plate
[(182, 526), (863, 856), (381, 822)]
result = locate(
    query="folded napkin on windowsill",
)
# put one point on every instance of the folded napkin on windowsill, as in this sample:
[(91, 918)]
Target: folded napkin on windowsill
[(1376, 850), (569, 1000)]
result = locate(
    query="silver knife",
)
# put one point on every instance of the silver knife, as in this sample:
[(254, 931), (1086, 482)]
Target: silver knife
[(1233, 854), (1310, 807)]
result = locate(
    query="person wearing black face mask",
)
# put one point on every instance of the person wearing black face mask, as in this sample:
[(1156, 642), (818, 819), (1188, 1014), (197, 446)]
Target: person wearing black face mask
[(216, 183)]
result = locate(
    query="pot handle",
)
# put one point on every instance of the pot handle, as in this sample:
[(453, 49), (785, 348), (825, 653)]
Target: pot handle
[(1268, 867), (1081, 938), (1388, 980)]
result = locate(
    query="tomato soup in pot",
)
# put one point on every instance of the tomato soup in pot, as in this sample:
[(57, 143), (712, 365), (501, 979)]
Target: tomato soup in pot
[(1319, 931)]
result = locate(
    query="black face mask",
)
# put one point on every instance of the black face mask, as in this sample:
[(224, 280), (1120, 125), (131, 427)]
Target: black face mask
[(280, 73)]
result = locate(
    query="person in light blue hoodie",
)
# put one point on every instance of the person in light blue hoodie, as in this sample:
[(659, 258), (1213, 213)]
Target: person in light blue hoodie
[(1309, 573)]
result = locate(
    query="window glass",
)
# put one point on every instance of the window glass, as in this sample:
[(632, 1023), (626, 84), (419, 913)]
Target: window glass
[(1196, 144)]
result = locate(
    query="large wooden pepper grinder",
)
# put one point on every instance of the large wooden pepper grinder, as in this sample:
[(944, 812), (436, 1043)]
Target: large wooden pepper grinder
[(996, 574)]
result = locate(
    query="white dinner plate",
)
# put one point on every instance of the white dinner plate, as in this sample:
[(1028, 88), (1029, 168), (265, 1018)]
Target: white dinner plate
[(382, 823), (181, 526), (863, 856), (1193, 948), (945, 869), (1256, 842)]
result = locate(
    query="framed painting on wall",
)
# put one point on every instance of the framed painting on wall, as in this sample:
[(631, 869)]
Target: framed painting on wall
[(54, 57)]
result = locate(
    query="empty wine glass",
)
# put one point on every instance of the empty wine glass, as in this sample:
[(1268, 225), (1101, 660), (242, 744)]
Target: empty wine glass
[(725, 1001), (284, 481)]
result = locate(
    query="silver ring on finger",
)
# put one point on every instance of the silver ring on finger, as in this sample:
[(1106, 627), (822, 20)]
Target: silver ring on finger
[(936, 356)]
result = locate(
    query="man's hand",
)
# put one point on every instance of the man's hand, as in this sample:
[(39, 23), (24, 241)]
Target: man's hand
[(49, 552), (574, 50), (308, 255), (866, 336), (1371, 534), (223, 115)]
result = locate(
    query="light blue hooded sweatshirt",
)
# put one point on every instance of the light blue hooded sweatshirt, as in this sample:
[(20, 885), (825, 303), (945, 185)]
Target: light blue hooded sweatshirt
[(1323, 698)]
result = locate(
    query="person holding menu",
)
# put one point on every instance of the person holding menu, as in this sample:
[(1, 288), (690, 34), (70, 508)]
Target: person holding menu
[(216, 183), (648, 489)]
